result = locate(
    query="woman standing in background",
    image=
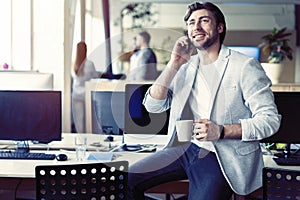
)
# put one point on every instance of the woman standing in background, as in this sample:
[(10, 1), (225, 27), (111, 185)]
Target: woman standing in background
[(84, 70)]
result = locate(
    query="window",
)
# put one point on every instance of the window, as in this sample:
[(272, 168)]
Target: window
[(15, 19)]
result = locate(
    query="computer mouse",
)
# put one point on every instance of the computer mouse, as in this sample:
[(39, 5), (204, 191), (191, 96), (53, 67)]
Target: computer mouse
[(109, 138), (61, 157)]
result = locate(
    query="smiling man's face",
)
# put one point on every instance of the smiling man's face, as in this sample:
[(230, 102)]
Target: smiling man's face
[(202, 29)]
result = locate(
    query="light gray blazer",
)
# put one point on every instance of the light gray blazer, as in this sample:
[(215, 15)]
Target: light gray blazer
[(241, 94)]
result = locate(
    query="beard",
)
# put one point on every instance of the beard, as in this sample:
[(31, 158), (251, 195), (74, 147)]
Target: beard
[(209, 42)]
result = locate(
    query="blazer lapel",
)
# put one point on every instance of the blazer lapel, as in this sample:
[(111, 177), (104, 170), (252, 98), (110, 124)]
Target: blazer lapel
[(186, 83), (220, 69), (182, 87)]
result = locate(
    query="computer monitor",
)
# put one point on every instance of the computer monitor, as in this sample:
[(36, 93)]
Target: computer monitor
[(107, 112), (251, 51), (289, 133), (142, 127), (30, 116)]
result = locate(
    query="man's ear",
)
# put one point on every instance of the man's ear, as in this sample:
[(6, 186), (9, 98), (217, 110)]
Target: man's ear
[(220, 28)]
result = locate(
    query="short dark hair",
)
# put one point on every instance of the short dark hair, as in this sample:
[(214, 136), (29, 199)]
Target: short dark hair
[(218, 15), (145, 35)]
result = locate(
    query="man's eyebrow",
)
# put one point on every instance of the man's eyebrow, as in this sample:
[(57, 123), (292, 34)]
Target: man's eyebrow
[(202, 17), (190, 20), (206, 16)]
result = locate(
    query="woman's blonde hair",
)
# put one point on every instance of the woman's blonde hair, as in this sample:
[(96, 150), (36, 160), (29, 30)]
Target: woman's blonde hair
[(80, 58)]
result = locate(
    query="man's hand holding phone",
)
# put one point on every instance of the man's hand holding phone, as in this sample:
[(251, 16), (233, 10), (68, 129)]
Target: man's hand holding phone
[(182, 51)]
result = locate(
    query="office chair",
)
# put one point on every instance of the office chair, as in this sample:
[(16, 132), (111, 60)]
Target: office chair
[(281, 184), (91, 181)]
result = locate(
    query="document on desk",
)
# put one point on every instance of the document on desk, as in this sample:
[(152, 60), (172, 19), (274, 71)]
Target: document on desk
[(101, 156)]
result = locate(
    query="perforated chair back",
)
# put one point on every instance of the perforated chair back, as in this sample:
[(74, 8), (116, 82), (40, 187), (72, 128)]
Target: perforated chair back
[(281, 184), (92, 181)]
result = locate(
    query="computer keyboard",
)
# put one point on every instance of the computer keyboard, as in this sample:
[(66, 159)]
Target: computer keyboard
[(26, 156), (289, 161)]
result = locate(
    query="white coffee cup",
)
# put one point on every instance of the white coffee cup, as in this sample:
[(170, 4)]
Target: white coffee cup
[(184, 130)]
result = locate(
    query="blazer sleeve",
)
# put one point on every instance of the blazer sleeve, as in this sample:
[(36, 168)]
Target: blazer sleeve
[(153, 105), (259, 98)]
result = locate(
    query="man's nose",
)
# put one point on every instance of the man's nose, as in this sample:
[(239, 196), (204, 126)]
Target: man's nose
[(198, 25)]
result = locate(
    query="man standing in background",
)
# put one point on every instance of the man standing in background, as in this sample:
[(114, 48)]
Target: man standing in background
[(143, 66)]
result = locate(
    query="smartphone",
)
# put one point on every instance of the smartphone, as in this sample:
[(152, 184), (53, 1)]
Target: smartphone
[(187, 47)]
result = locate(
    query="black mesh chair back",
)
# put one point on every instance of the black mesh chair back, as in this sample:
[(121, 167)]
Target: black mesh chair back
[(92, 181), (281, 184)]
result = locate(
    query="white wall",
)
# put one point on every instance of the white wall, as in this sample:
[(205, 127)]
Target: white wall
[(95, 38), (48, 39)]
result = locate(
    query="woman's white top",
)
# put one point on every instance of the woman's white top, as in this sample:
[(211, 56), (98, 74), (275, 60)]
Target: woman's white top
[(89, 72)]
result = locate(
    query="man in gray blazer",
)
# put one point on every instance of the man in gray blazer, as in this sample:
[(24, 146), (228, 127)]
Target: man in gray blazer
[(231, 103)]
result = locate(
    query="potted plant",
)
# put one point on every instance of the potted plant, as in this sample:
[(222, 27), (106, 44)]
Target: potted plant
[(140, 14), (276, 47)]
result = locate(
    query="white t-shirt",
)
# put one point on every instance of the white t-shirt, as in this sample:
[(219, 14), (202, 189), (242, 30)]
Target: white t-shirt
[(200, 99)]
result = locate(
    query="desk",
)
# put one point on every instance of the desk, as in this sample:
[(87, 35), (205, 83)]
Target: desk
[(19, 175), (25, 168)]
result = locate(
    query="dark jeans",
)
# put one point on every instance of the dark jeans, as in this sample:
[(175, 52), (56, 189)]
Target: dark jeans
[(186, 161)]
